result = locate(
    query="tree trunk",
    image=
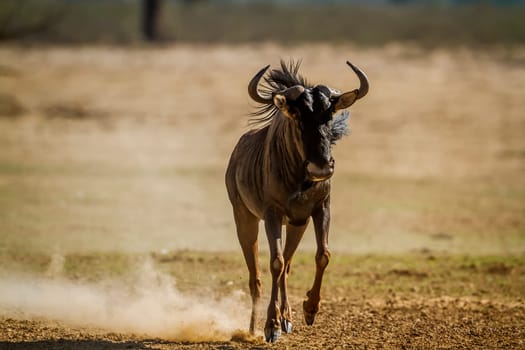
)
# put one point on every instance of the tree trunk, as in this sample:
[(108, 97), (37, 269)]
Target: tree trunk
[(150, 19)]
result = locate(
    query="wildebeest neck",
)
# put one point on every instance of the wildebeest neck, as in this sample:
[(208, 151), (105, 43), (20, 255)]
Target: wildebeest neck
[(285, 158)]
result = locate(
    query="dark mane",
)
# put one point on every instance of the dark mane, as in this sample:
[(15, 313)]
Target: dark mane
[(277, 80)]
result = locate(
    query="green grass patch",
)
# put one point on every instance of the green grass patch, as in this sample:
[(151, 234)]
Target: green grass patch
[(355, 277)]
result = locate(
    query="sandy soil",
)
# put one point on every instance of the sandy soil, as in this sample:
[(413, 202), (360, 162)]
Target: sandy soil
[(413, 302), (345, 322), (391, 324)]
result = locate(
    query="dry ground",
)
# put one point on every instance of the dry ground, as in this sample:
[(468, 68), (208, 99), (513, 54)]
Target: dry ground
[(418, 324), (122, 151), (413, 301)]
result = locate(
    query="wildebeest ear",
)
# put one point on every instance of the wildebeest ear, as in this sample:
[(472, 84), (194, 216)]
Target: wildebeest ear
[(280, 102), (346, 100)]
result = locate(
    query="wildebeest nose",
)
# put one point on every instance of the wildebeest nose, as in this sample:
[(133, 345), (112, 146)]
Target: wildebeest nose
[(320, 173)]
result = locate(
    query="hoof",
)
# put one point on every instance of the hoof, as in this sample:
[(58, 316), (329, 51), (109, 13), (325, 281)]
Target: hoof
[(309, 318), (272, 334), (286, 326)]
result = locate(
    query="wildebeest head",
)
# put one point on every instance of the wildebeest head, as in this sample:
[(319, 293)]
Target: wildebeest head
[(313, 109)]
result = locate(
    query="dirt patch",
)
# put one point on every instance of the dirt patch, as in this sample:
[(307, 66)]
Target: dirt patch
[(10, 106), (400, 302), (499, 269), (408, 273), (416, 324), (72, 111)]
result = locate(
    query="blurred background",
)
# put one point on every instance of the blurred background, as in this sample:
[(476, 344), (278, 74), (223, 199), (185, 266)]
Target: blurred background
[(117, 119), (428, 23)]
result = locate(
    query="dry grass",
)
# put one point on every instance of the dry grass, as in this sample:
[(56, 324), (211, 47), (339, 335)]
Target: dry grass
[(125, 149)]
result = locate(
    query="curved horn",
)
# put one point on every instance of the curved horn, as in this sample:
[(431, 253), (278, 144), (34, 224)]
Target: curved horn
[(252, 88), (345, 100), (363, 80)]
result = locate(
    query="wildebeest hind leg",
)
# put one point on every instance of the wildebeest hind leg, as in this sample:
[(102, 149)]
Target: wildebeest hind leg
[(247, 231)]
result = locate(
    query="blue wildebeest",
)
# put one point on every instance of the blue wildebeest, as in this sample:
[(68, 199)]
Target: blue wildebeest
[(280, 172)]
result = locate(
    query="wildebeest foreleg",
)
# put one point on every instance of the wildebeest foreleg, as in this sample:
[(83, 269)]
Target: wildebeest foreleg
[(321, 218), (247, 232), (293, 237), (273, 226)]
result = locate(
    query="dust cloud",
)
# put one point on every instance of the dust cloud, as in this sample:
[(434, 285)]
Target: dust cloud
[(146, 303)]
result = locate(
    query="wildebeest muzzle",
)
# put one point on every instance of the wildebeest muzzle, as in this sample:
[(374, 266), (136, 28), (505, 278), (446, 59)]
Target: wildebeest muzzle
[(317, 173)]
